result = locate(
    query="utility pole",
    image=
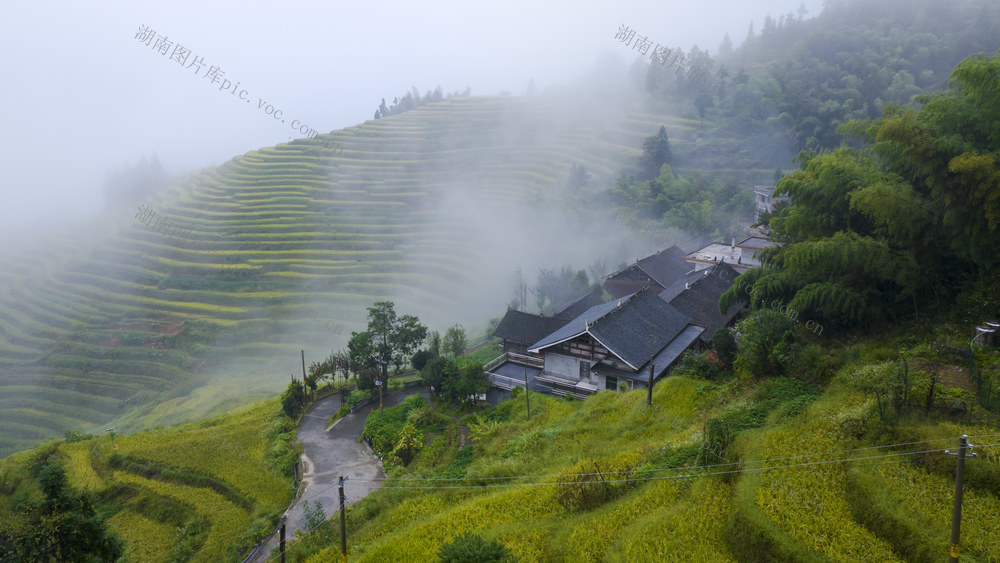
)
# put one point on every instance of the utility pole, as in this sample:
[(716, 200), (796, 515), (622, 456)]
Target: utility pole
[(527, 403), (956, 512), (304, 387), (281, 539), (652, 347), (385, 374), (343, 530)]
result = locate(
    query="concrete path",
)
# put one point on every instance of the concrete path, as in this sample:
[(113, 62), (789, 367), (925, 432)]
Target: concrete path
[(328, 454)]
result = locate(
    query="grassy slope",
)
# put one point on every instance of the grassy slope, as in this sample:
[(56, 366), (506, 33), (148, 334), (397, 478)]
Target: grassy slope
[(195, 492), (798, 506), (281, 249)]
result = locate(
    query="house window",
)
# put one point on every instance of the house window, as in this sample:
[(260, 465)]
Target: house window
[(611, 383), (584, 371)]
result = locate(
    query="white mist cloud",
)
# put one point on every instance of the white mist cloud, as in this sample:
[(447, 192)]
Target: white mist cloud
[(82, 95)]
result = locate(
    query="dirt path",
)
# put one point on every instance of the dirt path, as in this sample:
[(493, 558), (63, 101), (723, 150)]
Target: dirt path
[(331, 453)]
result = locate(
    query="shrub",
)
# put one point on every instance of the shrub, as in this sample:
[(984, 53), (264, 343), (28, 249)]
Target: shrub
[(383, 428), (725, 346), (420, 359), (77, 436), (590, 484), (410, 440), (472, 548), (697, 366), (812, 363), (291, 399), (764, 345)]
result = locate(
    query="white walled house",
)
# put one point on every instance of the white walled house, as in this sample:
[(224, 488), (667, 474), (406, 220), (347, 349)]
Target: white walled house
[(615, 342)]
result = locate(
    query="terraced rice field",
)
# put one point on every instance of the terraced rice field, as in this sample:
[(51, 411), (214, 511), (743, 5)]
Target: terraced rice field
[(187, 493), (281, 249)]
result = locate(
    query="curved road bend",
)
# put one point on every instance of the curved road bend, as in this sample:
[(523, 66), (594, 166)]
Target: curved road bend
[(329, 454)]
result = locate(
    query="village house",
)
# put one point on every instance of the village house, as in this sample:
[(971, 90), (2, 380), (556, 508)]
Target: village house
[(656, 272), (764, 199), (614, 343), (518, 329), (697, 296), (740, 256), (610, 344), (516, 367)]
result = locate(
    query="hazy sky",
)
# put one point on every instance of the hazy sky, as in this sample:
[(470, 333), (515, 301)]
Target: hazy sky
[(81, 94)]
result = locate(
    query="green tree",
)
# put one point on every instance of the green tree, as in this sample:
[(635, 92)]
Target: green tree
[(420, 359), (702, 103), (725, 346), (472, 548), (394, 338), (318, 371), (555, 287), (764, 344), (655, 153), (432, 375), (434, 343), (64, 528), (361, 359), (314, 519), (291, 399), (463, 383), (454, 344)]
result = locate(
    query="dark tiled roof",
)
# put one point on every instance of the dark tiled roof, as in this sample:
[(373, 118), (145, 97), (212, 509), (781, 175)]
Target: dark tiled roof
[(628, 331), (676, 288), (577, 326), (526, 328), (701, 300), (625, 327), (577, 306), (665, 266), (660, 269)]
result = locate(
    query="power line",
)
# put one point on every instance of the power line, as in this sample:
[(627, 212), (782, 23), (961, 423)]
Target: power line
[(690, 475), (644, 479), (653, 470), (313, 494), (633, 479), (885, 458)]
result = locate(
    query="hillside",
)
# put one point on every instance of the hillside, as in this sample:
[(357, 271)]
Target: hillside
[(198, 492), (150, 317), (718, 469)]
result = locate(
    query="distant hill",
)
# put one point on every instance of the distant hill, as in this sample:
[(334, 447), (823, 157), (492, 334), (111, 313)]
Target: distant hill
[(217, 282)]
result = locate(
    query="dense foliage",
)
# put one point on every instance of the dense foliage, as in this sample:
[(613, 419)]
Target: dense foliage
[(472, 548), (390, 339), (64, 527), (904, 225)]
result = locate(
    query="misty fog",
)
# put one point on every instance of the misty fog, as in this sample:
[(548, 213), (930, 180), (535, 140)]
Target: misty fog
[(83, 96), (107, 114)]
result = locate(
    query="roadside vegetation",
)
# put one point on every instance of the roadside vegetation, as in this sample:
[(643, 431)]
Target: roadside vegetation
[(205, 491), (720, 467)]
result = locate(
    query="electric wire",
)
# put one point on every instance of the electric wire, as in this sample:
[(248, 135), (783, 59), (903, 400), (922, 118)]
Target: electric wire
[(657, 469), (561, 479), (297, 539)]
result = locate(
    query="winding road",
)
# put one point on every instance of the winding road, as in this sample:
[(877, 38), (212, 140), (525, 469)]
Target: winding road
[(331, 452)]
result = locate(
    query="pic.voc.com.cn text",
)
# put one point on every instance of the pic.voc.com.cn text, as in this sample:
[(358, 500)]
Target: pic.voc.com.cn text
[(177, 53)]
